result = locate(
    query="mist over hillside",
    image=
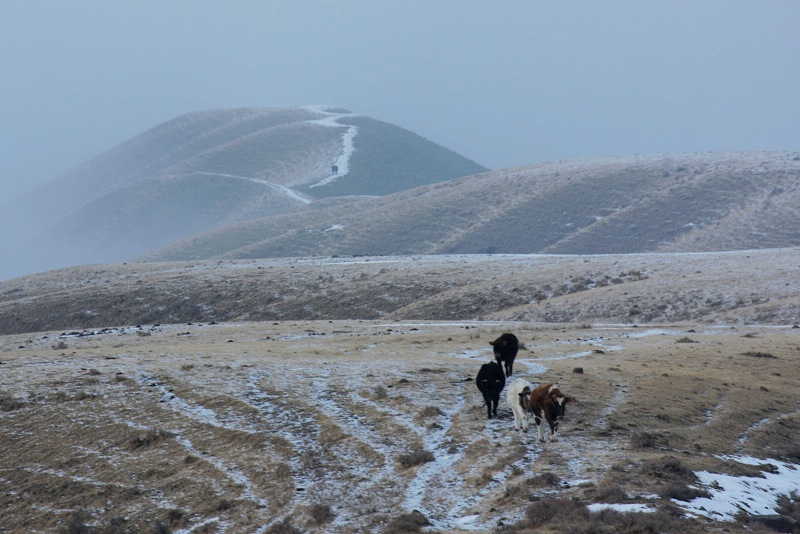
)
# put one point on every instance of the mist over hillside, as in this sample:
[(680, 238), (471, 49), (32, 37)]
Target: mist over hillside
[(661, 203), (211, 169), (313, 181)]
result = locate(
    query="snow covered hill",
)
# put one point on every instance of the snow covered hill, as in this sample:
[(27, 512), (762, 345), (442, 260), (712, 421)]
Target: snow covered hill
[(712, 288), (211, 169), (662, 203)]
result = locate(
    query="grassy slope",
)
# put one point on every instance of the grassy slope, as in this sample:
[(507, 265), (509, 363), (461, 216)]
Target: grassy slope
[(149, 190), (734, 287), (388, 159), (616, 205)]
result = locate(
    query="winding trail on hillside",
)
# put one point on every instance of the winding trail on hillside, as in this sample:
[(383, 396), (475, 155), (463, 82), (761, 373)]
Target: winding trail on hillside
[(343, 162), (288, 191)]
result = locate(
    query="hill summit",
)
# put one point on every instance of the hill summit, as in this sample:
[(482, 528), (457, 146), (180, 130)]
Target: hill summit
[(210, 169)]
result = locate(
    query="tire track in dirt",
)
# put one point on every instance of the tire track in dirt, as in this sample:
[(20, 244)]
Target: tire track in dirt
[(298, 428), (377, 480), (747, 434), (424, 492), (191, 412)]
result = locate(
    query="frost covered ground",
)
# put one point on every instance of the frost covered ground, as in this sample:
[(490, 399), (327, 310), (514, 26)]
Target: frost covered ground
[(724, 288), (349, 426)]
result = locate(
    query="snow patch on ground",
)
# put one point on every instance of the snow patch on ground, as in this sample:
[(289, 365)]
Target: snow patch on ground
[(624, 508), (731, 495)]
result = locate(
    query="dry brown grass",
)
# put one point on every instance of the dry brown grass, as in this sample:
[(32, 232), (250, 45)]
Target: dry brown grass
[(537, 291), (306, 426)]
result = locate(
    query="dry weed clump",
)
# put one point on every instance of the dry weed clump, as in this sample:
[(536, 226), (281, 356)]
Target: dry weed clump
[(430, 411), (543, 480), (412, 522), (649, 440), (610, 493), (789, 505), (557, 514), (681, 492), (791, 453), (667, 467), (149, 438), (415, 457), (284, 527), (8, 403), (81, 522), (673, 478), (321, 514), (755, 354)]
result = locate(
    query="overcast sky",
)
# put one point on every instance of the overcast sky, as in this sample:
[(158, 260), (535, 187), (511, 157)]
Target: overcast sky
[(504, 83)]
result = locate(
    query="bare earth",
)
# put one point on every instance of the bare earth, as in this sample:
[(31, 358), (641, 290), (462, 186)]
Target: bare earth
[(259, 427)]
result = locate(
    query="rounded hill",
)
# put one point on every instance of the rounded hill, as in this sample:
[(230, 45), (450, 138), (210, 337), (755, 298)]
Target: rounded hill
[(210, 169), (665, 203)]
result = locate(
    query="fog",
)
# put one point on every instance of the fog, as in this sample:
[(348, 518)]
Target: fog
[(502, 83)]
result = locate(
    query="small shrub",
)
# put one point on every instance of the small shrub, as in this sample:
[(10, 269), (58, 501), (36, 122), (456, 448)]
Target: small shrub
[(648, 440), (149, 438), (223, 504), (76, 524), (759, 355), (791, 454), (412, 522), (8, 404), (667, 467), (543, 480), (568, 515), (611, 493), (789, 505), (176, 517), (681, 492), (430, 411), (59, 346), (543, 512), (284, 527), (321, 514), (416, 457)]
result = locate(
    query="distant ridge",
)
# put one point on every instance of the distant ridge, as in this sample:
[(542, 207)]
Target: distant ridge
[(724, 288), (210, 169), (660, 203)]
